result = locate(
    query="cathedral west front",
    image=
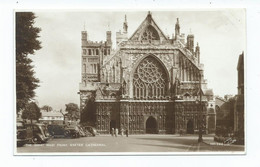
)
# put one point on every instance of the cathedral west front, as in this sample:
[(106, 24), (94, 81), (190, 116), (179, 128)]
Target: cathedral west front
[(149, 83)]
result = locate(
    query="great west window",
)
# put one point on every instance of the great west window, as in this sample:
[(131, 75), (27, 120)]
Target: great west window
[(150, 80)]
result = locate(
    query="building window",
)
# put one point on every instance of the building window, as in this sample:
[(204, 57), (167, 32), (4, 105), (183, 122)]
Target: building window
[(97, 52), (84, 51), (92, 70), (95, 68), (84, 68), (89, 51), (150, 34), (150, 79)]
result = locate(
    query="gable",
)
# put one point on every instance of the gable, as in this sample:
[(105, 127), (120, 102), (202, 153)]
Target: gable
[(148, 30)]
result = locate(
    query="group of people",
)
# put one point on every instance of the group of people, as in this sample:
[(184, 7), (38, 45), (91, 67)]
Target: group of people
[(114, 132)]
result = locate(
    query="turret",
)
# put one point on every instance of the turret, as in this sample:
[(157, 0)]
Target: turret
[(190, 42), (122, 36), (177, 29), (109, 37), (84, 37), (197, 52), (125, 26)]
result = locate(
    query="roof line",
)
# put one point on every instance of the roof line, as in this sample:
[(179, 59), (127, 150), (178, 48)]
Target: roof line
[(142, 24)]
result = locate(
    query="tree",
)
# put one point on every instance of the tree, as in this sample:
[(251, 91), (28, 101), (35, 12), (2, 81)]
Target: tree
[(73, 111), (31, 112), (46, 108), (230, 115), (88, 114), (225, 122), (26, 44)]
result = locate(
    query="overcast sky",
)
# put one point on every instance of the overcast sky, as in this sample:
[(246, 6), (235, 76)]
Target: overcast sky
[(221, 36)]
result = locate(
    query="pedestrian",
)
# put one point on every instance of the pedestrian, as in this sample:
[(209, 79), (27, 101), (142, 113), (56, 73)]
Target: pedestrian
[(116, 132), (112, 132), (181, 132), (126, 132), (122, 132)]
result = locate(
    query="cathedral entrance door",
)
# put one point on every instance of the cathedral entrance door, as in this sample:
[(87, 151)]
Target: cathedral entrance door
[(151, 125), (190, 128)]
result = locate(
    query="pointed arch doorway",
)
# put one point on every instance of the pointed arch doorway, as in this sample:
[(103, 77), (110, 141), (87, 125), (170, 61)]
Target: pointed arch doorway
[(151, 125)]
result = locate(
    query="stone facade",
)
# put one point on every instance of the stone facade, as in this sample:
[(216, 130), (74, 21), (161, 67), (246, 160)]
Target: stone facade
[(148, 84)]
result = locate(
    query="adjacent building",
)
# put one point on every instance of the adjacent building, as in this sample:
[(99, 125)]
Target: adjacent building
[(239, 104), (52, 117), (150, 83)]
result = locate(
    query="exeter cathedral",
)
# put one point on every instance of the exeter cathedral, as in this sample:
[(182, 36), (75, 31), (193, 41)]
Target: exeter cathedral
[(149, 83)]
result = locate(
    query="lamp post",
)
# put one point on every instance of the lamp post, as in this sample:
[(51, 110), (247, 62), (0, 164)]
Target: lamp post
[(200, 111), (128, 119)]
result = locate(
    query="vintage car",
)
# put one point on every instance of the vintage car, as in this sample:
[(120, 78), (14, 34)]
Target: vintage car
[(61, 131), (23, 134), (40, 133), (57, 131), (82, 132), (31, 133), (72, 131), (91, 130)]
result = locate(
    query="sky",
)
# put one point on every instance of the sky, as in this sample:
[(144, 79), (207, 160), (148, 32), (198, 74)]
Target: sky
[(221, 35)]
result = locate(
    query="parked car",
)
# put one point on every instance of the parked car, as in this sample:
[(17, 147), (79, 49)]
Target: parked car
[(23, 134), (39, 133), (82, 132), (91, 130), (72, 131), (31, 133), (64, 131), (57, 131)]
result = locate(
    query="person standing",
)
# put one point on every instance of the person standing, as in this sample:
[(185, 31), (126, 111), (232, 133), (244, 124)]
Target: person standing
[(181, 132), (112, 132), (116, 132), (122, 132)]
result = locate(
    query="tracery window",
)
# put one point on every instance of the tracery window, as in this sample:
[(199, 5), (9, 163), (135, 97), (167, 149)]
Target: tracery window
[(150, 80), (150, 34)]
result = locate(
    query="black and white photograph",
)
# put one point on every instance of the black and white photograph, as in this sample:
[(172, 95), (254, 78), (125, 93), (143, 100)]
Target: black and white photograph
[(130, 82)]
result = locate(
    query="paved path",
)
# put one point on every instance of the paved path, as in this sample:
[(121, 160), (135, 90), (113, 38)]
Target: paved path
[(133, 143)]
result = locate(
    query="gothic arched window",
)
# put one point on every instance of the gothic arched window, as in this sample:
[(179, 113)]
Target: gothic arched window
[(150, 34), (150, 80)]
